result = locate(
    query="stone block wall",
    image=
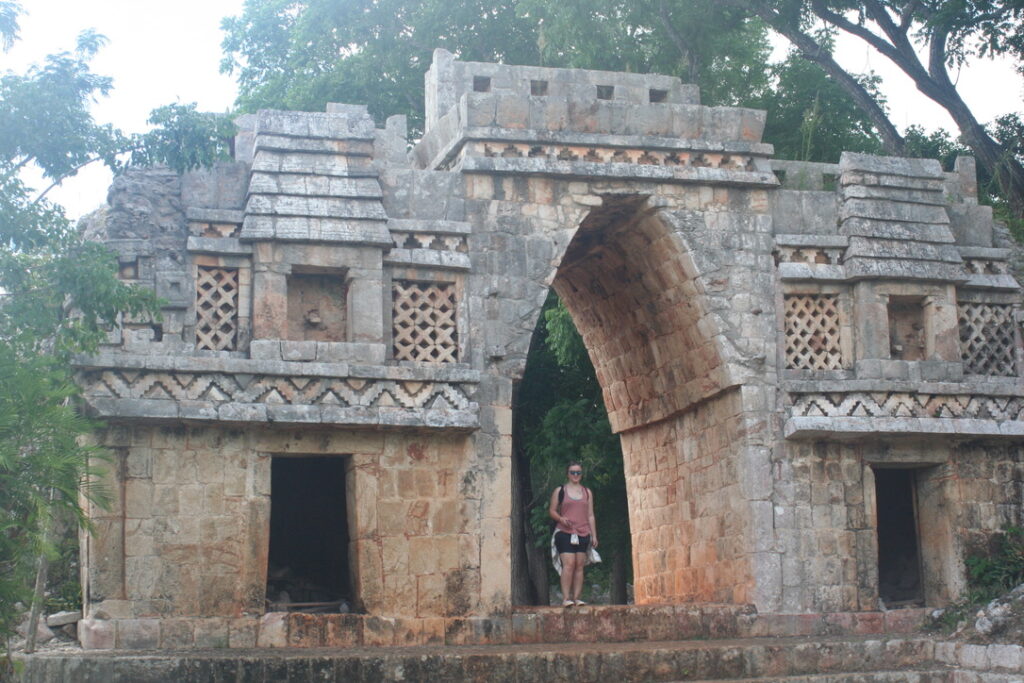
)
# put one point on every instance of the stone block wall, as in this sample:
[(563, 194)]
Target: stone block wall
[(689, 517), (187, 531)]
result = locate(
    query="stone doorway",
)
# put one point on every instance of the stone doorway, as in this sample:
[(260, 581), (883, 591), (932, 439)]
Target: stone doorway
[(308, 567), (900, 580)]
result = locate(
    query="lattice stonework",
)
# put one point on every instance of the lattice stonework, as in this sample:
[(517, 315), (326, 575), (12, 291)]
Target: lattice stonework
[(425, 327), (987, 339), (216, 308), (813, 332)]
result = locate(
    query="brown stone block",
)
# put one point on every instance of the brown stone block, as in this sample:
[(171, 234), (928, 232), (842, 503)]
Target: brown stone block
[(242, 632), (425, 483), (176, 633), (581, 625), (430, 595), (525, 627), (273, 630), (469, 551), (445, 519), (552, 625), (433, 630), (212, 633), (904, 620), (343, 630), (407, 484), (378, 631), (97, 634), (395, 555), (138, 498), (408, 631), (138, 634), (401, 593), (391, 517)]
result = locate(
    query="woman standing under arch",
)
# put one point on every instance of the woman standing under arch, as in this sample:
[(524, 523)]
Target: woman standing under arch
[(572, 508)]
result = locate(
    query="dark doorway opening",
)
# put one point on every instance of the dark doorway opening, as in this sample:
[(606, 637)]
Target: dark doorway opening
[(899, 557), (308, 567)]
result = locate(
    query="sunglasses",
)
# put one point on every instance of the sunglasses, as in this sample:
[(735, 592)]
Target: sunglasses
[(575, 471)]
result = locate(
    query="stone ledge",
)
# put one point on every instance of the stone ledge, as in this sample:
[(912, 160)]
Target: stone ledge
[(197, 214), (209, 411), (1009, 386), (805, 271), (524, 626), (436, 227), (939, 428), (405, 371), (802, 240), (489, 134), (217, 245), (1003, 281), (429, 258), (638, 172)]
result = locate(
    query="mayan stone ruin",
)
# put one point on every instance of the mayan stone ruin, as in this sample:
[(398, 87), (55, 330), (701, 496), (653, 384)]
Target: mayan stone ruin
[(814, 369)]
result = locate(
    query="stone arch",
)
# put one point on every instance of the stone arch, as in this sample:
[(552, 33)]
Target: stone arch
[(649, 288)]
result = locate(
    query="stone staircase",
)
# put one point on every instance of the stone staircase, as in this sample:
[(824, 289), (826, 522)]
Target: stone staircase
[(625, 645)]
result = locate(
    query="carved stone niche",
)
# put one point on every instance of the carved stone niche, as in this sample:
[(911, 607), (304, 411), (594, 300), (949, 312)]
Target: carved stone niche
[(317, 308), (317, 302), (907, 339)]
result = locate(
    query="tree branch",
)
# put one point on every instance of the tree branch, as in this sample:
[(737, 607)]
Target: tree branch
[(677, 39), (815, 52)]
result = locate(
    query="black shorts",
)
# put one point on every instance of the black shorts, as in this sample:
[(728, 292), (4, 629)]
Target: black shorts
[(563, 545)]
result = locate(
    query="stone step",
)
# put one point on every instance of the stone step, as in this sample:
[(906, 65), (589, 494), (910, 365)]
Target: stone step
[(929, 676), (817, 659)]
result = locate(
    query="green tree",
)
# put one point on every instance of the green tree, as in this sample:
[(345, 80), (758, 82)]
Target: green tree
[(811, 117), (948, 32), (59, 292), (301, 54)]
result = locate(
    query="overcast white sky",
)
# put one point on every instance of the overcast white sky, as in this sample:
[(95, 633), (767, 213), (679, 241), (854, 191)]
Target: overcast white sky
[(162, 52)]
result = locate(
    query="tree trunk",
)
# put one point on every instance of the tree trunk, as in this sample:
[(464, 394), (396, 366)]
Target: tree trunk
[(892, 141), (522, 587), (617, 593)]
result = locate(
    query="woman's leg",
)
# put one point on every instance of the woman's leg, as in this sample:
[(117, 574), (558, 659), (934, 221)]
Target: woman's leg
[(577, 576), (568, 574)]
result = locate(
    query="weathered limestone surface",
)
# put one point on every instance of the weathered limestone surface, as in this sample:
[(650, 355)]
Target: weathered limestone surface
[(768, 336)]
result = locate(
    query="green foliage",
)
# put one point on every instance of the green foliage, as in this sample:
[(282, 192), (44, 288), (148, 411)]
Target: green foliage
[(301, 54), (990, 574), (722, 50), (811, 118), (43, 467), (938, 144), (183, 138), (58, 293)]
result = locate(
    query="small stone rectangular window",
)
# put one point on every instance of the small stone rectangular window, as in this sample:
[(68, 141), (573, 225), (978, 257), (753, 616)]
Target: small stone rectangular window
[(538, 88), (605, 92), (216, 308), (813, 332), (317, 306), (481, 84), (656, 95), (987, 339), (424, 321), (906, 328)]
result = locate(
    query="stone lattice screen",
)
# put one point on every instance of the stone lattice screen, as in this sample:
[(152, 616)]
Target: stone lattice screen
[(424, 321), (987, 339), (216, 308), (813, 332)]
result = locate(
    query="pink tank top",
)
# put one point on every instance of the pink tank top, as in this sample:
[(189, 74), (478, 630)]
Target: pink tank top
[(576, 511)]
